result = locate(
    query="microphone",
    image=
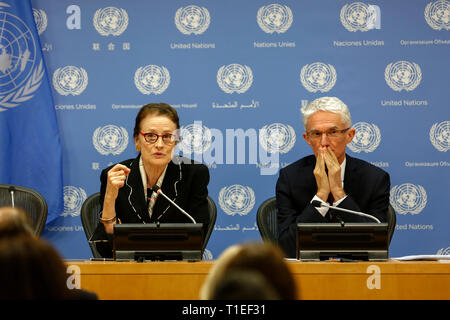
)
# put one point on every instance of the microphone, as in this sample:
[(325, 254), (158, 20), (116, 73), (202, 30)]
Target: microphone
[(318, 204), (158, 190), (11, 190)]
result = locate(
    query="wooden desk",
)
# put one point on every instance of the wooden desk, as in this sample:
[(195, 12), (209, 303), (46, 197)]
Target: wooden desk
[(315, 280)]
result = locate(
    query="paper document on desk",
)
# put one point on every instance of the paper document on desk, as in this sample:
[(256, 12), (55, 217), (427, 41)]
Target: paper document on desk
[(433, 257)]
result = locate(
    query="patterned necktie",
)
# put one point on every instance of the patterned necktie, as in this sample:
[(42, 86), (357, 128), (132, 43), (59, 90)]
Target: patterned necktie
[(151, 198)]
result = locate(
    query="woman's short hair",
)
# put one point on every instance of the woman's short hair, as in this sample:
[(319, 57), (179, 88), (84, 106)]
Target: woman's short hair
[(330, 104), (157, 109)]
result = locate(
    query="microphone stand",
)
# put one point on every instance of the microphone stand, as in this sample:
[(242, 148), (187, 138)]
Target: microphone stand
[(317, 203)]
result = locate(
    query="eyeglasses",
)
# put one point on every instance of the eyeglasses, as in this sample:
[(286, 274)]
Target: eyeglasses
[(152, 137), (332, 133)]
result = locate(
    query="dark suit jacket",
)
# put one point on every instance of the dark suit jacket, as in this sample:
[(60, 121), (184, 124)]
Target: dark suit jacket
[(367, 188), (185, 183)]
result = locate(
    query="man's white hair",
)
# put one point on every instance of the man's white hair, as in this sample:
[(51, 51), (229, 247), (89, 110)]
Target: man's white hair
[(330, 104)]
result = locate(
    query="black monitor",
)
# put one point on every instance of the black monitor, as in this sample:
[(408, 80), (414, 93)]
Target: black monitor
[(352, 241), (165, 241)]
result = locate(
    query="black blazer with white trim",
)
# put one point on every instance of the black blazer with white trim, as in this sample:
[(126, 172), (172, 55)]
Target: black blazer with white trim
[(185, 182)]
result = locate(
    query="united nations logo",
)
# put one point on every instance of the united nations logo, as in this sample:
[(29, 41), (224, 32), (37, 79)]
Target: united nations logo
[(444, 251), (21, 71), (195, 138), (437, 14), (367, 137), (73, 200), (152, 79), (110, 21), (192, 19), (40, 18), (70, 80), (207, 255), (358, 16), (403, 75), (440, 136), (110, 139), (318, 76), (274, 18), (236, 199), (234, 78), (277, 137), (408, 198)]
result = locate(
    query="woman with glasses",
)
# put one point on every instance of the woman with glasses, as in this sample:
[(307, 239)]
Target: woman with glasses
[(125, 191), (328, 176)]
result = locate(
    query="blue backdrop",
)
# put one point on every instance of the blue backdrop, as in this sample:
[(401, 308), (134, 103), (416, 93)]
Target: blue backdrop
[(234, 68)]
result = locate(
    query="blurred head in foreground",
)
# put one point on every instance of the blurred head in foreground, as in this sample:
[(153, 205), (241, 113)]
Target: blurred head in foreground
[(261, 265), (31, 269), (13, 222)]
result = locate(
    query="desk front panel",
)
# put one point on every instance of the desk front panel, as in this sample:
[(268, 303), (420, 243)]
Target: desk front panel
[(314, 280)]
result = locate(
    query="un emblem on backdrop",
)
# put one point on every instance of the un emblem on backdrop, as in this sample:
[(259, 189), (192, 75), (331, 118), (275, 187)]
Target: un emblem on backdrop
[(408, 198), (274, 18), (152, 79), (236, 199), (277, 137), (444, 251), (40, 18), (318, 76), (234, 78), (73, 200), (195, 138), (437, 14), (403, 75), (110, 139), (207, 255), (367, 137), (20, 73), (70, 80), (358, 16), (440, 136), (110, 21), (192, 19)]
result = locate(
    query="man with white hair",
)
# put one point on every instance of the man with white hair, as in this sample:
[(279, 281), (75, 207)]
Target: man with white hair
[(329, 176)]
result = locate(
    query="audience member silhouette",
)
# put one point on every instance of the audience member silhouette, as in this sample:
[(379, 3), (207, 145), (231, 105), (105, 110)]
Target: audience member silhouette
[(30, 268), (259, 258)]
